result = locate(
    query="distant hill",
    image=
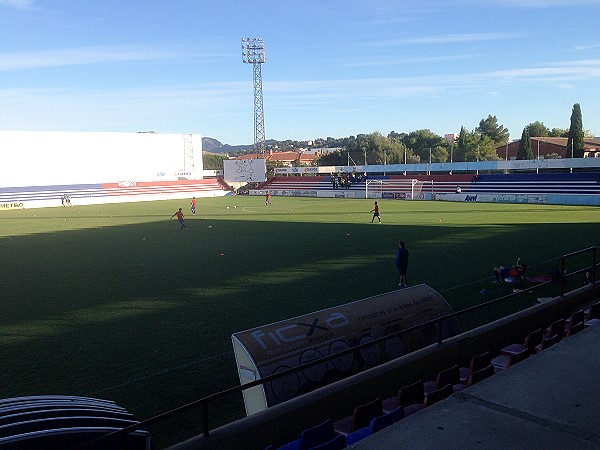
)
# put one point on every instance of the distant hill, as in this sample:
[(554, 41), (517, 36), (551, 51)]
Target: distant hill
[(211, 145)]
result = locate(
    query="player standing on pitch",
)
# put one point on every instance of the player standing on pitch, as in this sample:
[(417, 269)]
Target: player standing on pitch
[(375, 212), (402, 263), (193, 206), (179, 215), (267, 199)]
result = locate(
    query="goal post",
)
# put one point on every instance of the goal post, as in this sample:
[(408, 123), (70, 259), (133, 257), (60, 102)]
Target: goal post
[(407, 189), (373, 185)]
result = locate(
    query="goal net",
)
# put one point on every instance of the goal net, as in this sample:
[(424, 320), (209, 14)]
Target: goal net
[(403, 189)]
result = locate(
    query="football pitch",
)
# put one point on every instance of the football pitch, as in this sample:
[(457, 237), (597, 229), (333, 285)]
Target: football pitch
[(113, 301)]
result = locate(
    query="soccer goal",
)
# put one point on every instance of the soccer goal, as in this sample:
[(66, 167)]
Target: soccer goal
[(408, 189)]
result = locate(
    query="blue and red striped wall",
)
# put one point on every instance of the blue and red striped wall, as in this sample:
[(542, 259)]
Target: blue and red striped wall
[(47, 196)]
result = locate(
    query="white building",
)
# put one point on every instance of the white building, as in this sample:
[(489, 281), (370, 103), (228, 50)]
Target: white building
[(37, 158)]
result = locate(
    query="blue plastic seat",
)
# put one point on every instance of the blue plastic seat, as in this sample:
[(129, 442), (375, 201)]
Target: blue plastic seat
[(312, 437), (377, 424), (360, 418), (337, 443)]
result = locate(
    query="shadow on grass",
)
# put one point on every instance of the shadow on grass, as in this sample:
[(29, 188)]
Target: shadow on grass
[(143, 314)]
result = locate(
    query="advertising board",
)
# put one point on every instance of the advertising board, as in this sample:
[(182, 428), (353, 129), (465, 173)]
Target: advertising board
[(275, 347), (244, 170)]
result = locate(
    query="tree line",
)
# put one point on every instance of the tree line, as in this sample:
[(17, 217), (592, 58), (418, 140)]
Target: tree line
[(423, 146), (575, 135)]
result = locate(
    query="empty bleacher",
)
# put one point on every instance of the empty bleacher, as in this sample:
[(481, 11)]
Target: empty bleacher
[(383, 183), (61, 422), (416, 397), (38, 196), (546, 401), (578, 183), (532, 183)]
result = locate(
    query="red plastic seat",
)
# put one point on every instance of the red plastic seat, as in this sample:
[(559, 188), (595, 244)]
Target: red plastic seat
[(518, 357), (448, 376), (576, 328), (438, 395), (476, 377), (556, 328), (594, 311), (503, 362), (576, 317), (480, 375), (532, 340), (360, 418), (547, 343), (477, 363), (411, 397), (593, 315)]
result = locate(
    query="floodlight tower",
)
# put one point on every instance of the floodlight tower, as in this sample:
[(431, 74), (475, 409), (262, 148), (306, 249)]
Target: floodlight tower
[(188, 155), (253, 52)]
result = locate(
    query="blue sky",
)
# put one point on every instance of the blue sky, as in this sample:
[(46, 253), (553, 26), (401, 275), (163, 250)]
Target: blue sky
[(333, 68)]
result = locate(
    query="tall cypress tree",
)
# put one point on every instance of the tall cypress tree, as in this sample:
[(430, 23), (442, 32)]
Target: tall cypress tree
[(525, 151), (575, 142), (460, 153), (489, 127)]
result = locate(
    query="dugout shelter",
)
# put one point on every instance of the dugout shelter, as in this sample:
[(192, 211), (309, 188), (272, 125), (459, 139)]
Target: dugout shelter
[(279, 346)]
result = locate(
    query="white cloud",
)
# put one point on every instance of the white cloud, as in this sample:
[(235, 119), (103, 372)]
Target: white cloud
[(587, 47), (530, 4), (87, 55), (18, 4), (300, 94), (212, 104), (545, 3), (395, 61), (446, 39)]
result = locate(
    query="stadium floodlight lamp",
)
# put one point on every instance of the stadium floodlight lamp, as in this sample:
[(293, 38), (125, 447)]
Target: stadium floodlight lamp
[(253, 50)]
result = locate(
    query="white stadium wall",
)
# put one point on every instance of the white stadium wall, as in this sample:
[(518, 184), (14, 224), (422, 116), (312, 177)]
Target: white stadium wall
[(34, 158), (37, 167)]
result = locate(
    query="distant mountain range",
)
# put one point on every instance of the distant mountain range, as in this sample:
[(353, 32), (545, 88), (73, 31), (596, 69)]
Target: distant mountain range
[(211, 145)]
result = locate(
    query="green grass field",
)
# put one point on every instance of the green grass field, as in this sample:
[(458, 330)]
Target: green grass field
[(113, 301)]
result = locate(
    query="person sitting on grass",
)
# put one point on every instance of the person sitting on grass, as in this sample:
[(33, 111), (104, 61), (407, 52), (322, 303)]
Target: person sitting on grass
[(516, 271)]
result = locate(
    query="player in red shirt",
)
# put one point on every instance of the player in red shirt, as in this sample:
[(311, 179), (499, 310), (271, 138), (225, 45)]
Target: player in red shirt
[(267, 199), (516, 271), (179, 215), (375, 212), (194, 206)]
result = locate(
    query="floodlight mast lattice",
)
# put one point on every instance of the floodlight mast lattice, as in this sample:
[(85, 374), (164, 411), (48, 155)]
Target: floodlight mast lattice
[(253, 52)]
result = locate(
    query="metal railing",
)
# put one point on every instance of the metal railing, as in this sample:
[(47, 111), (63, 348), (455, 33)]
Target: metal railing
[(592, 268)]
